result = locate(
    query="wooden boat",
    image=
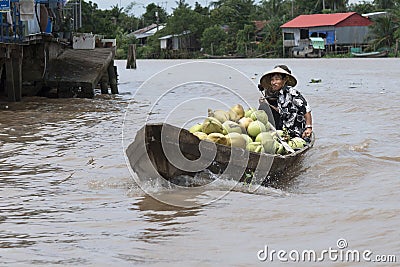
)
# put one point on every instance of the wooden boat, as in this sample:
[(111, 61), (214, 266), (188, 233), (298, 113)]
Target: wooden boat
[(383, 53), (168, 152)]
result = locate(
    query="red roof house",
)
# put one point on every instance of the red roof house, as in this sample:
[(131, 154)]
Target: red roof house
[(339, 29), (319, 20)]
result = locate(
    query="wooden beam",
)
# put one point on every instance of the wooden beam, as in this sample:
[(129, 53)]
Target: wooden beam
[(112, 76), (104, 83), (17, 68), (13, 64), (131, 61)]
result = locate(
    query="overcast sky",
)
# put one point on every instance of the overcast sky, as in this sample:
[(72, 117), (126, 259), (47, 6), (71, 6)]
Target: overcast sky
[(166, 4)]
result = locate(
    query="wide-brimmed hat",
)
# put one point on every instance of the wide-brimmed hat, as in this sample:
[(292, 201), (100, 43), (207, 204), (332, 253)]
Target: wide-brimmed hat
[(265, 80)]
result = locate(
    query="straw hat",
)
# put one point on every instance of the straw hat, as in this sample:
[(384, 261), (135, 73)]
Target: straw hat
[(265, 80)]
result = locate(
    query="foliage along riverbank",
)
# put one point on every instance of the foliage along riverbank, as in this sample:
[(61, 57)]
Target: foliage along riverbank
[(227, 27)]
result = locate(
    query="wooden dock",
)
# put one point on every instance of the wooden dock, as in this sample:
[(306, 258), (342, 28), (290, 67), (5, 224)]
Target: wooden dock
[(44, 66), (37, 57), (76, 73)]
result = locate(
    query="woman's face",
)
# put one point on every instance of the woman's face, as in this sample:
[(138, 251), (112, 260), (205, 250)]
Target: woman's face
[(277, 82)]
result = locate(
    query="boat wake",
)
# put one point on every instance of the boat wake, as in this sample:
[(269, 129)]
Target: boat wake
[(201, 182)]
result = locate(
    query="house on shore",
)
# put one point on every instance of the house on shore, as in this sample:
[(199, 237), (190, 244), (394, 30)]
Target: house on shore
[(143, 34), (340, 31), (179, 45)]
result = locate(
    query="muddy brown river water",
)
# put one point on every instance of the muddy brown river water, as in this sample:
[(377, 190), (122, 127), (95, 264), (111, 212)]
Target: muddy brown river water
[(68, 198)]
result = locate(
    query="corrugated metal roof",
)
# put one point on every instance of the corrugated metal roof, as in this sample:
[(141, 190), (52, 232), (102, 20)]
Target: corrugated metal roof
[(174, 35), (375, 14), (145, 29), (317, 20)]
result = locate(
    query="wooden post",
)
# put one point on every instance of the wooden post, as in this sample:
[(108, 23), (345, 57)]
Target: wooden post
[(17, 62), (112, 76), (104, 84), (131, 61), (397, 48), (10, 79), (13, 64)]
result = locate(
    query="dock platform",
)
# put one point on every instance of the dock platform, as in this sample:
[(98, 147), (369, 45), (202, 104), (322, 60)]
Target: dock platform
[(76, 73)]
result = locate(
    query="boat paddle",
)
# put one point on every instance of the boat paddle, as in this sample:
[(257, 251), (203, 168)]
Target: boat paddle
[(285, 145)]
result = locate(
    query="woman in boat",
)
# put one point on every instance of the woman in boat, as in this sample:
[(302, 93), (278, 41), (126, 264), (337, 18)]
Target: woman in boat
[(290, 110)]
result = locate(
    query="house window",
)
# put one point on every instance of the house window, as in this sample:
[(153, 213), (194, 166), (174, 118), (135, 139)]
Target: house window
[(304, 34), (288, 36)]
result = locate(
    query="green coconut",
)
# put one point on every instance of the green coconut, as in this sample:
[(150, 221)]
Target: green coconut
[(279, 148), (200, 135), (196, 128), (220, 115), (255, 147), (298, 142), (233, 116), (212, 125), (239, 110), (248, 112), (269, 146), (291, 144), (263, 136), (236, 140), (276, 134), (259, 115), (244, 122), (247, 138), (255, 128), (217, 138), (231, 127)]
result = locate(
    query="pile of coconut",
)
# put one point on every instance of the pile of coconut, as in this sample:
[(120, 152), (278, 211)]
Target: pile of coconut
[(248, 129)]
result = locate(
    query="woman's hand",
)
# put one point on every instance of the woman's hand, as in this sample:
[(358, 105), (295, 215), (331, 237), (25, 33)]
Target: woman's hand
[(307, 132), (262, 100)]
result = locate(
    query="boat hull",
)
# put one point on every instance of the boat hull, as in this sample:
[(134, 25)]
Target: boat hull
[(165, 151), (371, 54)]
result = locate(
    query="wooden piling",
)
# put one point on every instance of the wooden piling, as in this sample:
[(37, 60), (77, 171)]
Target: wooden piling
[(13, 65), (104, 84), (112, 76), (131, 61)]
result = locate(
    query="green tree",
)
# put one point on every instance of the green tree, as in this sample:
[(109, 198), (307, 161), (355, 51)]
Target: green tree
[(272, 36), (396, 15), (244, 38), (384, 4), (184, 19), (272, 8), (106, 22), (234, 13), (362, 8), (153, 14), (383, 31), (213, 40), (201, 10)]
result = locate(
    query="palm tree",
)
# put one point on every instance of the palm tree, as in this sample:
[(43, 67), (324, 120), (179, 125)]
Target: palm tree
[(384, 4), (383, 31)]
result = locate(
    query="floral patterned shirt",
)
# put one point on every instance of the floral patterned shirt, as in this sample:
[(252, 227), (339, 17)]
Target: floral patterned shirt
[(292, 107)]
